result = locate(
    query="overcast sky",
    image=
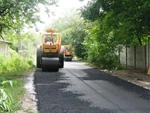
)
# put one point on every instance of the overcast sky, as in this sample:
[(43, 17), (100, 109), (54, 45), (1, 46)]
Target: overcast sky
[(63, 7)]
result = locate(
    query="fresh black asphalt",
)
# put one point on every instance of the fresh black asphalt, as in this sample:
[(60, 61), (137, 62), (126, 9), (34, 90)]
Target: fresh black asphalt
[(78, 88)]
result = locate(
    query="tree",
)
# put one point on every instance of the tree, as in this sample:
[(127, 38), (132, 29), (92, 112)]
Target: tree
[(127, 19), (13, 12), (100, 51)]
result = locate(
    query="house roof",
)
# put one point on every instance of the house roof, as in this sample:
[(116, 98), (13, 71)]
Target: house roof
[(4, 41)]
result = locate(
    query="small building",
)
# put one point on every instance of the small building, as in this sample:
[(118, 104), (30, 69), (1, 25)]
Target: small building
[(4, 46)]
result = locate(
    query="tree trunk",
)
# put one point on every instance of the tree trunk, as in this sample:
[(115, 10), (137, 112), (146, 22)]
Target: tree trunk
[(139, 39)]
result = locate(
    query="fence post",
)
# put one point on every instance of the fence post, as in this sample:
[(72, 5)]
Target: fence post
[(135, 57), (126, 58), (145, 58), (148, 55)]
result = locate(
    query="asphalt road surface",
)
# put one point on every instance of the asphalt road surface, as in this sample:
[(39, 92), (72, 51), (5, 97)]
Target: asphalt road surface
[(78, 88)]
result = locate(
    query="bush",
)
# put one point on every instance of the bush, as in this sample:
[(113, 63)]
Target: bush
[(102, 56), (14, 64)]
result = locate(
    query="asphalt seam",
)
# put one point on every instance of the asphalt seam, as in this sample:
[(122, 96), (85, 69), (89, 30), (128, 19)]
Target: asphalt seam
[(96, 90)]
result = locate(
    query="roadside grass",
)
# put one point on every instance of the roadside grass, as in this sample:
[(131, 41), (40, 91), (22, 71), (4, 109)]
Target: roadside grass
[(11, 81), (17, 92)]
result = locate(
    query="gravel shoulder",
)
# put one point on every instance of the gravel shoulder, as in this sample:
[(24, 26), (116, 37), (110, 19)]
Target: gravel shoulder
[(137, 77), (29, 102)]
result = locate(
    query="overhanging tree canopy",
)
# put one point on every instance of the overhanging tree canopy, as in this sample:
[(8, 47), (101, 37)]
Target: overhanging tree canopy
[(13, 12), (128, 19)]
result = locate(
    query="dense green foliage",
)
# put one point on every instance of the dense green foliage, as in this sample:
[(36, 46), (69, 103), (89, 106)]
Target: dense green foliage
[(115, 23), (99, 51), (128, 20)]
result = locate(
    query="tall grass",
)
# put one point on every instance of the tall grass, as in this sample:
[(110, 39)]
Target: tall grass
[(11, 67), (5, 96)]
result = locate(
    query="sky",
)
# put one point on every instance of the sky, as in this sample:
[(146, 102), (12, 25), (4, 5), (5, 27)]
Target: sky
[(63, 7)]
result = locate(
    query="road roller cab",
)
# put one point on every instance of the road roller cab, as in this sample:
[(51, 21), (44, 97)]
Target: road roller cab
[(68, 53), (50, 54)]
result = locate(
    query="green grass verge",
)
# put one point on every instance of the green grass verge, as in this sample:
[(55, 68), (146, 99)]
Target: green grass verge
[(17, 92)]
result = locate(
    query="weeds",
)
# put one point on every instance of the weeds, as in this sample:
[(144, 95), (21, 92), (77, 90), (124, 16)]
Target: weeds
[(10, 68)]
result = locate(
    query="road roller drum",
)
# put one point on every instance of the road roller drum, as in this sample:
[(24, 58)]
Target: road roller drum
[(50, 64)]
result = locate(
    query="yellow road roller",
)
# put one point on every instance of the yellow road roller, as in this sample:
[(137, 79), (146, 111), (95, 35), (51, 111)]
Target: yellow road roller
[(50, 53), (68, 52)]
